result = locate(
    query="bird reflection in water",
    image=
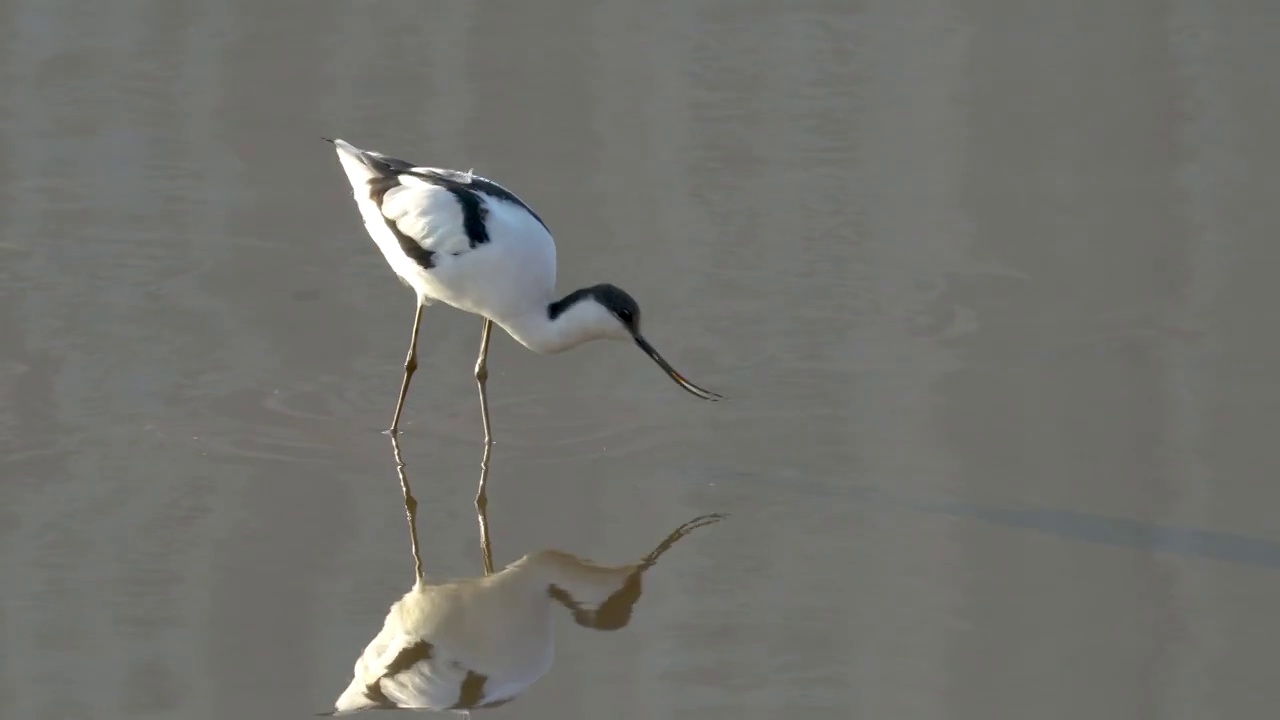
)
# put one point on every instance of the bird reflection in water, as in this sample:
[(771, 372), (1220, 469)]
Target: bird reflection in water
[(479, 642)]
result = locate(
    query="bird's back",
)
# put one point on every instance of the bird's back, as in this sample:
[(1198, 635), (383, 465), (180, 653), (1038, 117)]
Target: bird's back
[(496, 266), (454, 237)]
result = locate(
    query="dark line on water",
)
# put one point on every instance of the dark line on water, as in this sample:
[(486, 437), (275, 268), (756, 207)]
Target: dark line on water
[(1122, 532), (1182, 541)]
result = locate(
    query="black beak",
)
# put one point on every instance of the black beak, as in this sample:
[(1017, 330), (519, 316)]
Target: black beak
[(666, 367)]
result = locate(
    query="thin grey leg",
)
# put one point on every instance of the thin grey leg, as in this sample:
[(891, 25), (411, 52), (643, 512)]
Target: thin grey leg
[(482, 499), (410, 365)]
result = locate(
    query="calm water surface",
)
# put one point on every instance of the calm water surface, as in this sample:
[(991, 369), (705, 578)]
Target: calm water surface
[(990, 292)]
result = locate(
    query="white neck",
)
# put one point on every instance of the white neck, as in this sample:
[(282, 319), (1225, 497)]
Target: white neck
[(581, 322)]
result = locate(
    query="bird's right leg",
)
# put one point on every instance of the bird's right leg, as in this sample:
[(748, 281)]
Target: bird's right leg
[(410, 364), (482, 498)]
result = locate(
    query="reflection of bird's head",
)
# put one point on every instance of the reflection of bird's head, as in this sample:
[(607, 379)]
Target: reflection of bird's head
[(612, 614), (598, 596)]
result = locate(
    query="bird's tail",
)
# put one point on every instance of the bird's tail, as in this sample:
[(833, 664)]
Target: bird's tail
[(355, 163), (364, 165)]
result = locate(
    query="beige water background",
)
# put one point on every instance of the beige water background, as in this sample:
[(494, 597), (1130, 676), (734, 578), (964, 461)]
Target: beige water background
[(990, 288)]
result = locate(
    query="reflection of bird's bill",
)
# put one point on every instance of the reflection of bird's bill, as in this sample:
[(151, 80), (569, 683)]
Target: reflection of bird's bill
[(666, 367), (677, 535)]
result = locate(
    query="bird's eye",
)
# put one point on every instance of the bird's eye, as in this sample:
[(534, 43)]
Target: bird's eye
[(625, 316)]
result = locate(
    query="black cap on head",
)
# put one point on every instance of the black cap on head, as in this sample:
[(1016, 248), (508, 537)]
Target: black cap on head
[(611, 297), (617, 301)]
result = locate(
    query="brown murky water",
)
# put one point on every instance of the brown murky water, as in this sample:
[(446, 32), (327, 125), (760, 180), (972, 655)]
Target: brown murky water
[(989, 291)]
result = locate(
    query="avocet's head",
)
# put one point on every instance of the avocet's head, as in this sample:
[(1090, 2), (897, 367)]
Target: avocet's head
[(607, 311)]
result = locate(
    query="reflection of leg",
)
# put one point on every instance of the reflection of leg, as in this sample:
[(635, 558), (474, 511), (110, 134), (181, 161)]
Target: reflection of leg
[(485, 551), (410, 364), (482, 499), (410, 509)]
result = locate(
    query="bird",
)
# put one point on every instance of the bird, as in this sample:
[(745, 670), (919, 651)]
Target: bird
[(466, 241), (479, 642)]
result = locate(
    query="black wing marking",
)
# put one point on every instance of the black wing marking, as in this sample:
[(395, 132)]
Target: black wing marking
[(408, 657), (373, 693), (378, 188), (472, 691), (468, 189), (474, 213), (405, 659), (474, 185)]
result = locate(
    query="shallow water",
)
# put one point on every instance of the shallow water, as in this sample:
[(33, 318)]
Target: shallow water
[(989, 293)]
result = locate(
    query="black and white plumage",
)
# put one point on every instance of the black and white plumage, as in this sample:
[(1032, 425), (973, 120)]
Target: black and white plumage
[(480, 642), (468, 242)]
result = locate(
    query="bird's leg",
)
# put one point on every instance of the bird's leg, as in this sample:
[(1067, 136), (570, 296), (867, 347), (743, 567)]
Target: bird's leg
[(410, 509), (482, 500), (410, 364)]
